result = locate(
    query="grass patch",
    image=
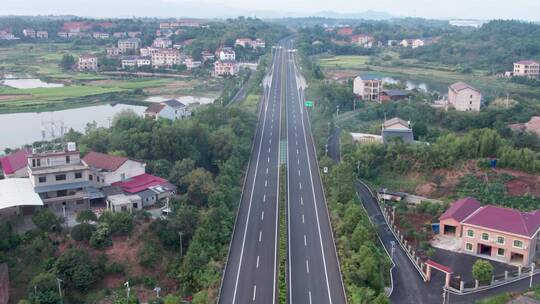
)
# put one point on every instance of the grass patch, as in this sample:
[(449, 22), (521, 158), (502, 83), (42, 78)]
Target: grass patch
[(282, 236), (344, 62), (498, 299)]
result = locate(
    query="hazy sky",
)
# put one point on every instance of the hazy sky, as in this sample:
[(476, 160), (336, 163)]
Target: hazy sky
[(479, 9)]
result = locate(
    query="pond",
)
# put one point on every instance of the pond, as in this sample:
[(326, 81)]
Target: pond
[(187, 100), (28, 83), (18, 129)]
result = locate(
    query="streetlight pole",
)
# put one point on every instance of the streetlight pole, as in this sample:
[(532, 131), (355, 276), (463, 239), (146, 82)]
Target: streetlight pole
[(59, 282), (127, 288)]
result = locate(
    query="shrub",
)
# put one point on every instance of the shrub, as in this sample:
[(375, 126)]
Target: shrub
[(101, 237), (120, 223), (45, 285), (148, 255), (76, 269), (82, 232)]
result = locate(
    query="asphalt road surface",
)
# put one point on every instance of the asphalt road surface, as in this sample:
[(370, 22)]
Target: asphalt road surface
[(314, 273), (250, 273)]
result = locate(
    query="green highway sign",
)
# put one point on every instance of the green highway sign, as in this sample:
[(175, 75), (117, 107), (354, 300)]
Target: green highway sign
[(308, 104)]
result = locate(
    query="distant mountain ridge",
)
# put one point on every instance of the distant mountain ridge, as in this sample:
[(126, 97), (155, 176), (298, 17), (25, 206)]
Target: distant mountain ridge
[(368, 15)]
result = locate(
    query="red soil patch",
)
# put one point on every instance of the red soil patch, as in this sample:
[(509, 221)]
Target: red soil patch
[(523, 183)]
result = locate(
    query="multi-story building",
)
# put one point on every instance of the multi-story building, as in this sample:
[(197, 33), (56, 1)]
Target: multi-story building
[(119, 35), (527, 68), (107, 169), (192, 64), (259, 43), (128, 44), (206, 55), (60, 179), (148, 51), (226, 54), (135, 61), (162, 42), (225, 68), (362, 40), (42, 35), (367, 87), (29, 33), (87, 62), (166, 58), (501, 234), (397, 128), (463, 97), (171, 109)]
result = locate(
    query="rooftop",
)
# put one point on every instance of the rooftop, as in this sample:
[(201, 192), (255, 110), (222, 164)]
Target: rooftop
[(527, 62), (18, 192), (394, 121), (506, 220), (104, 161), (154, 108), (141, 182), (460, 209), (369, 77), (173, 103), (459, 86), (14, 161)]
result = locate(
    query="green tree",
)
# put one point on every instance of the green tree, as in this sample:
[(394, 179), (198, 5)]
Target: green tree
[(67, 62), (200, 184), (47, 290), (482, 271), (172, 299), (46, 221), (82, 232), (76, 269), (85, 216), (180, 170), (101, 237)]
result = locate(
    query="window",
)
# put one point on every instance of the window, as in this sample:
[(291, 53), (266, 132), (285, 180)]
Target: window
[(470, 233), (78, 174), (67, 159), (500, 239), (518, 244), (500, 251), (61, 193), (61, 177), (38, 162), (97, 178), (90, 177), (123, 176), (468, 247), (42, 179), (485, 236)]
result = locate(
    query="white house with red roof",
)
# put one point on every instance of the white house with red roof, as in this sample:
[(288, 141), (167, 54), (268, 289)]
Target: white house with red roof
[(107, 169), (14, 165), (148, 188), (502, 234)]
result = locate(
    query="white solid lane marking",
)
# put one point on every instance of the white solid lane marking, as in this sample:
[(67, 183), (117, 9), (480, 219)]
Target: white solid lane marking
[(303, 221), (310, 297), (307, 266), (260, 236), (257, 262), (254, 292), (262, 216), (305, 240)]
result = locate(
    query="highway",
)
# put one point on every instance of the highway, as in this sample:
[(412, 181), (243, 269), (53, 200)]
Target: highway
[(250, 275), (314, 272)]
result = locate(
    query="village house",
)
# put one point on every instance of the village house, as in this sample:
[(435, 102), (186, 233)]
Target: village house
[(225, 68), (206, 55), (113, 52), (192, 64), (60, 179), (161, 42), (63, 35), (87, 62), (128, 44), (226, 54), (14, 164), (367, 88), (533, 126), (363, 40), (107, 169), (134, 62), (100, 35), (166, 58), (119, 35), (29, 33), (42, 35), (247, 42), (464, 97), (393, 95), (527, 68), (134, 34), (502, 234), (6, 35), (148, 51), (171, 109), (138, 192), (345, 31), (397, 128)]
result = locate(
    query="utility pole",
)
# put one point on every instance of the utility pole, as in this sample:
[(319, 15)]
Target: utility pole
[(532, 274), (326, 149), (337, 111), (127, 288)]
